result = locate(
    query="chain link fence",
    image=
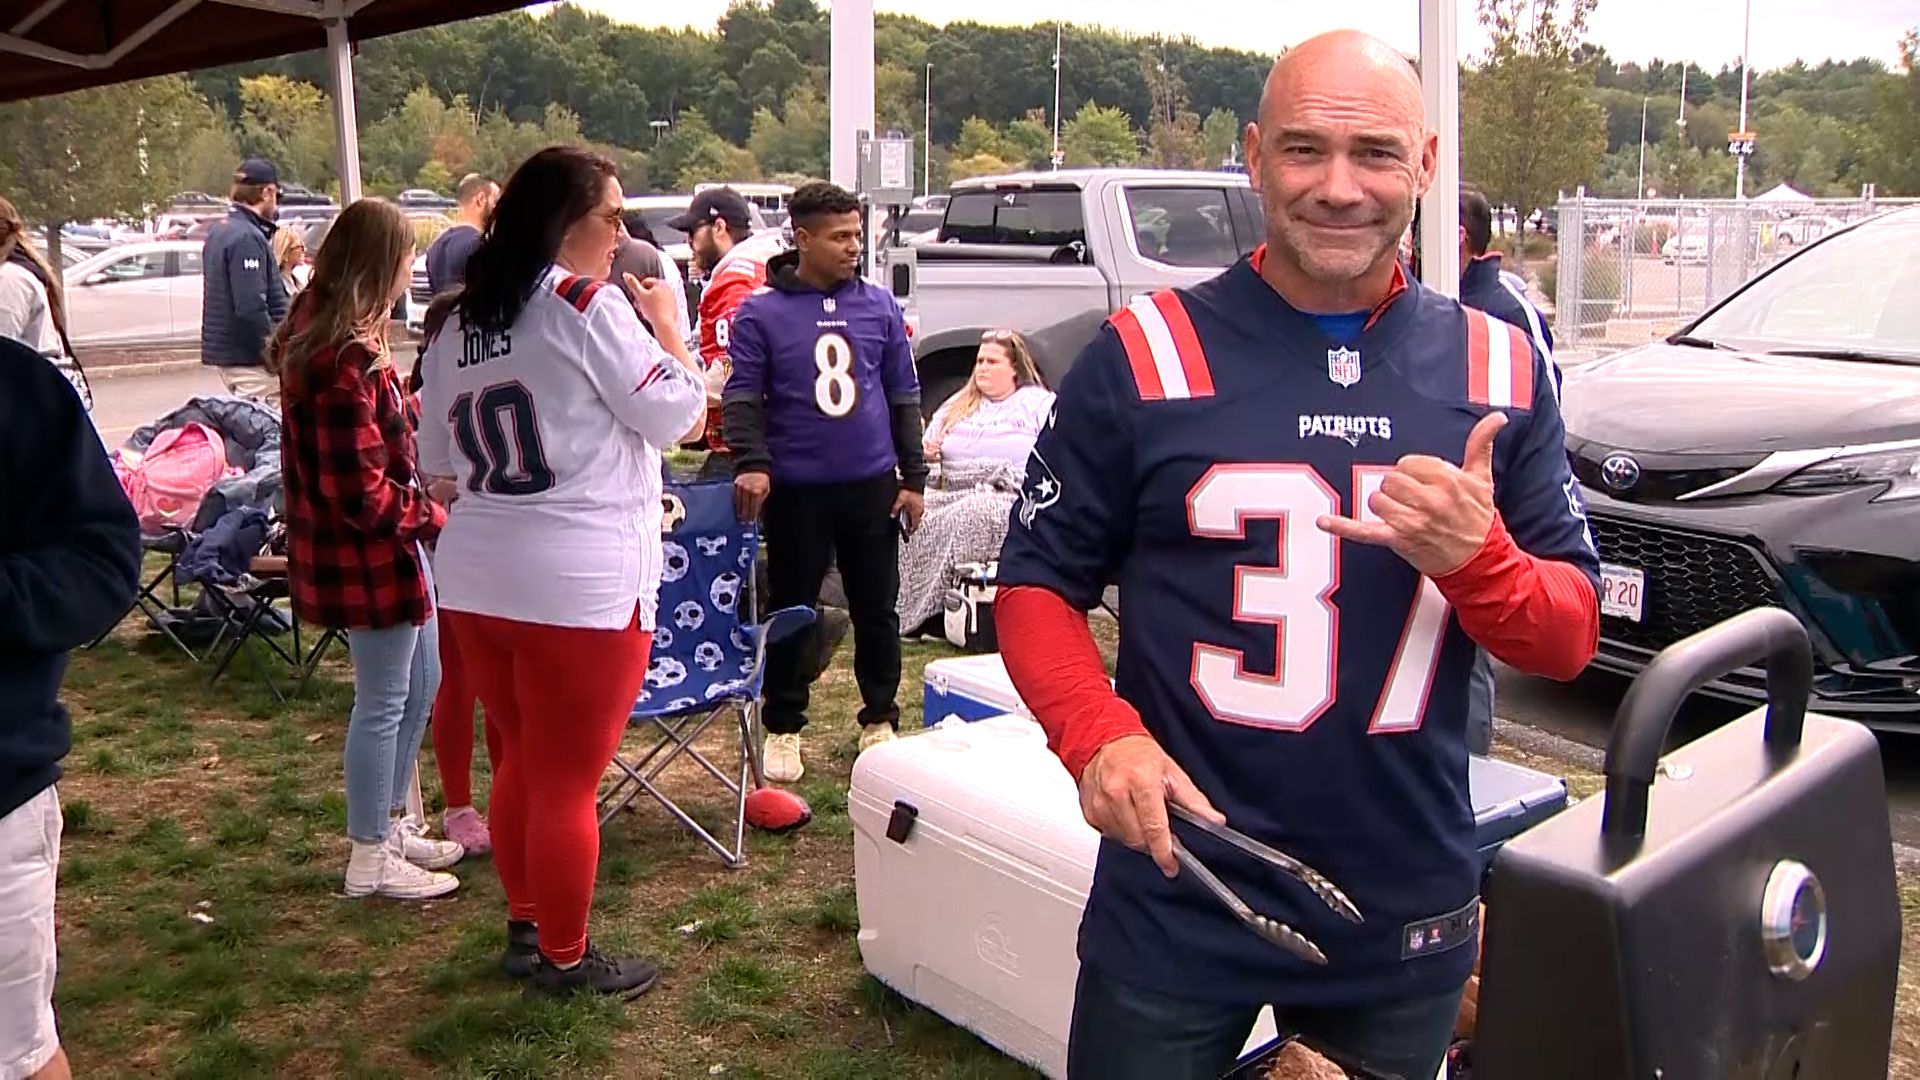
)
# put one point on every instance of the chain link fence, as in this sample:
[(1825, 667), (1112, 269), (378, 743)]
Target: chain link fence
[(1629, 271)]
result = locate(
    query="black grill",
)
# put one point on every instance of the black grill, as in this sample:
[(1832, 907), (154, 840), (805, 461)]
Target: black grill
[(1656, 484), (1693, 581)]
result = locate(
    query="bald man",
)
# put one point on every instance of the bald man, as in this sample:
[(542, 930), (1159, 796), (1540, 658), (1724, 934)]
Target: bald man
[(1319, 486)]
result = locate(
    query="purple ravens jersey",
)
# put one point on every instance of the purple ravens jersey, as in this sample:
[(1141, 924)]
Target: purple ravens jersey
[(1315, 690), (829, 367)]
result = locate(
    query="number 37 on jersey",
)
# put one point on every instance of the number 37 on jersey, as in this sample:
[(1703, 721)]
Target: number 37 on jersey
[(1294, 596)]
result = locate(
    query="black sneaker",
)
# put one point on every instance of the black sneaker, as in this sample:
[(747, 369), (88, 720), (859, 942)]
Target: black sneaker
[(523, 949), (623, 977)]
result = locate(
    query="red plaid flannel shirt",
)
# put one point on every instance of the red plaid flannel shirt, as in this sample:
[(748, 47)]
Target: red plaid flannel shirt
[(356, 513)]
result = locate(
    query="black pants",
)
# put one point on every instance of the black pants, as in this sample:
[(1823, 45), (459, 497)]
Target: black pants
[(806, 526)]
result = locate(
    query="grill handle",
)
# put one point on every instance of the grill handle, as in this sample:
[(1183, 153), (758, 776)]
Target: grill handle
[(1766, 635)]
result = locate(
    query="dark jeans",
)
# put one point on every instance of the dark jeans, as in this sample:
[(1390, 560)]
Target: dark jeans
[(806, 525), (1480, 706), (1123, 1032)]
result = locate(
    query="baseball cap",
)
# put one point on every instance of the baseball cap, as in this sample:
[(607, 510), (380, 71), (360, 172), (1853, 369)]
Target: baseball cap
[(256, 171), (714, 204)]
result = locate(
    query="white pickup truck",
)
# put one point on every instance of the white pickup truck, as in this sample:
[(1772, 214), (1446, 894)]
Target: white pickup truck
[(1052, 254)]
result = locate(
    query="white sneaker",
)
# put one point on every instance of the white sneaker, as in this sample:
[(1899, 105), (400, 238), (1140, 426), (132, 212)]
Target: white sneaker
[(782, 764), (873, 735), (407, 838), (377, 870)]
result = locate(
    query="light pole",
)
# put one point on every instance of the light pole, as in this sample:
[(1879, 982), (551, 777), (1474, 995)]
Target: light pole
[(1746, 144), (926, 130), (1641, 187), (1056, 157)]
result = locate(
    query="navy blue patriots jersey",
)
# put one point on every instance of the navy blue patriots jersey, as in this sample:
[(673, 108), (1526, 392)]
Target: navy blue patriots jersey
[(1315, 690)]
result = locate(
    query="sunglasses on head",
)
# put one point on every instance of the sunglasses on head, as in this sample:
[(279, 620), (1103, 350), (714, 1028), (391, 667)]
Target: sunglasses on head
[(997, 337)]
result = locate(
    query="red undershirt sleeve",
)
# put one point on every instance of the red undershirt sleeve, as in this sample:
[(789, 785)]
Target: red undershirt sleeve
[(1535, 614), (1056, 668)]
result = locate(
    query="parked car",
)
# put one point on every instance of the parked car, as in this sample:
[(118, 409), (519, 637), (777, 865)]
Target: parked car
[(1052, 254), (1689, 247), (1804, 229), (141, 294), (1798, 486)]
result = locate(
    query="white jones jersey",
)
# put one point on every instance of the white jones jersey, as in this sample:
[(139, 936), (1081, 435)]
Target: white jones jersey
[(552, 429)]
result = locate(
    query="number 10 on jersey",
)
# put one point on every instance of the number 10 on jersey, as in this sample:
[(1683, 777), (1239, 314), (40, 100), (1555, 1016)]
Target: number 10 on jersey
[(1295, 597)]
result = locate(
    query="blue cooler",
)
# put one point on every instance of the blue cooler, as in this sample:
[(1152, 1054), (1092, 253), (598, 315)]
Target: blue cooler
[(968, 687), (1508, 800)]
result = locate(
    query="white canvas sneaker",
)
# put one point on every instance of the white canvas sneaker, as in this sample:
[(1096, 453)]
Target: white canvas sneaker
[(782, 764), (407, 838), (377, 870)]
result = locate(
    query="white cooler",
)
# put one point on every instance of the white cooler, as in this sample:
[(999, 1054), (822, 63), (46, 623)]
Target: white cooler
[(972, 865)]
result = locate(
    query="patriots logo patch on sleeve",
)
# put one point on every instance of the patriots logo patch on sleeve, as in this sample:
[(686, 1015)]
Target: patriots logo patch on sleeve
[(1041, 491)]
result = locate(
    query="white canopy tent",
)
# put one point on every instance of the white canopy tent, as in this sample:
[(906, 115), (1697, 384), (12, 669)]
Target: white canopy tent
[(1783, 195)]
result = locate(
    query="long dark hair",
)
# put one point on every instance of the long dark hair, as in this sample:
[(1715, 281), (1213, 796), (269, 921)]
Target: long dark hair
[(548, 193)]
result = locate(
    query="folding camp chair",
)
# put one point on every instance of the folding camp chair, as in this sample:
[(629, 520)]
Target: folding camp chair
[(708, 660), (247, 607), (169, 544)]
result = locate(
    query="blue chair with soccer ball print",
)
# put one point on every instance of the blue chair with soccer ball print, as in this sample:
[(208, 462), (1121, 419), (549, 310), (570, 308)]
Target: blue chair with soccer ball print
[(707, 664)]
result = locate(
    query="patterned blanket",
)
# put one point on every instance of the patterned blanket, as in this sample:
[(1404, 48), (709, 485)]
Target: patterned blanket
[(968, 508)]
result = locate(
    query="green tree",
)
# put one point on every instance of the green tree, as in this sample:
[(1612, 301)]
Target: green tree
[(963, 168), (978, 137), (1894, 160), (434, 176), (1099, 136), (113, 152), (1220, 138), (289, 123), (796, 143), (1173, 133), (1028, 140), (1529, 129)]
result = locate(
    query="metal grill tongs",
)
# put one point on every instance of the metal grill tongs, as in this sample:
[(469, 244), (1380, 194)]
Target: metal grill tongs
[(1273, 930)]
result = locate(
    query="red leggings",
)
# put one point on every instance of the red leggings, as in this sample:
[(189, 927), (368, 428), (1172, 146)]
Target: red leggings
[(559, 698), (453, 727)]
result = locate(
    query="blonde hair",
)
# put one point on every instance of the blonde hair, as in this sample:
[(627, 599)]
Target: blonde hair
[(13, 234), (350, 295), (969, 399), (285, 240)]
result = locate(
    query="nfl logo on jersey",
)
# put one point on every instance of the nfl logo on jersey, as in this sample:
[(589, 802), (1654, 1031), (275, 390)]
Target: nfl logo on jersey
[(1343, 366)]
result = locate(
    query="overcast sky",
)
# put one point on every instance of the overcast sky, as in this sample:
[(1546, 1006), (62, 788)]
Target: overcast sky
[(1704, 31)]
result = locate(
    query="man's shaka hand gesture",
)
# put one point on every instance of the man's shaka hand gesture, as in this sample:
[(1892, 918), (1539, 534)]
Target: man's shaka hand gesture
[(1430, 512)]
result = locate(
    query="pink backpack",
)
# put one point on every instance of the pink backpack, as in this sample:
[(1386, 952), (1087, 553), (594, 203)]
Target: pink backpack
[(165, 484)]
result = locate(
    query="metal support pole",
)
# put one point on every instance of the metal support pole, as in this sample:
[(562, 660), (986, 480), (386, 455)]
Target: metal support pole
[(1440, 83), (346, 123), (850, 88)]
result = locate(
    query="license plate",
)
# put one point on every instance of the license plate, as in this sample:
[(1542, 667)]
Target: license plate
[(1623, 591)]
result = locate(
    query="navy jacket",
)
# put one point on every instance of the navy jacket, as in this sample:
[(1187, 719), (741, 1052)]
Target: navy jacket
[(1482, 286), (244, 297), (69, 561)]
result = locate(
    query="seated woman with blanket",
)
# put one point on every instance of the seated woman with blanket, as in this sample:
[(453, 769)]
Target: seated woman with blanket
[(978, 441)]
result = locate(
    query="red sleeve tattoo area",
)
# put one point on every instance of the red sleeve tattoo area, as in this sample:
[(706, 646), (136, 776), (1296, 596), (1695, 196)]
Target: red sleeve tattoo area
[(1055, 665), (1537, 615)]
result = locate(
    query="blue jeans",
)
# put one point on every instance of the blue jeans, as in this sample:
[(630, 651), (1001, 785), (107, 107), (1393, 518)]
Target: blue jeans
[(396, 671), (1480, 706), (1125, 1032)]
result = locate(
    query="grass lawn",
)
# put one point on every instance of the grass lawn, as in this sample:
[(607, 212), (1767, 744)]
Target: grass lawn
[(202, 933)]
